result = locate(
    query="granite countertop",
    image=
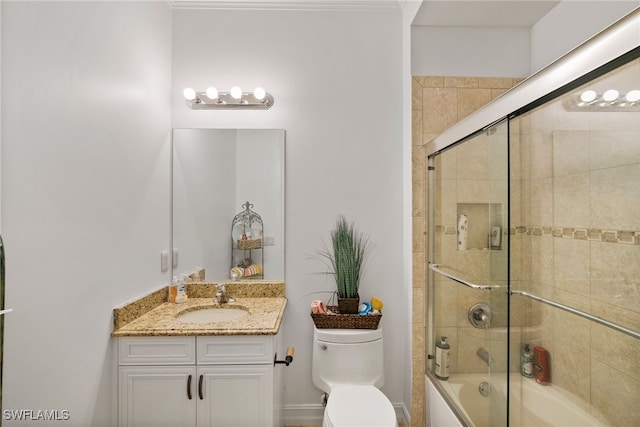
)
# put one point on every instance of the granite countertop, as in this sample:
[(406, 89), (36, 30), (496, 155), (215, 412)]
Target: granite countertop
[(151, 315)]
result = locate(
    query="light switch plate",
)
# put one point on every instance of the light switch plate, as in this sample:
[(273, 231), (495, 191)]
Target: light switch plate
[(164, 261)]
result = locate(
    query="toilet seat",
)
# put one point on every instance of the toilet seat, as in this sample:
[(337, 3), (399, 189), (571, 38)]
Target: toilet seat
[(358, 405)]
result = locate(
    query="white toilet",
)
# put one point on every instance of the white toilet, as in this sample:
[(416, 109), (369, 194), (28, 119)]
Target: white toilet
[(348, 366)]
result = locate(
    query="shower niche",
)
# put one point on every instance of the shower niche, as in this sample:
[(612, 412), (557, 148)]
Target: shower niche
[(482, 225)]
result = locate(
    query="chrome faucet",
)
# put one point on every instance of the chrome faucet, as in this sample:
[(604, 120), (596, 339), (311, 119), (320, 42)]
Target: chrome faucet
[(221, 295), (485, 356)]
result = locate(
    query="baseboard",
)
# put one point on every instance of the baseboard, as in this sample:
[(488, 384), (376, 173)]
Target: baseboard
[(402, 414), (311, 415), (303, 415)]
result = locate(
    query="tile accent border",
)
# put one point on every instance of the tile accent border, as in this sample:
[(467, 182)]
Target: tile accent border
[(625, 237)]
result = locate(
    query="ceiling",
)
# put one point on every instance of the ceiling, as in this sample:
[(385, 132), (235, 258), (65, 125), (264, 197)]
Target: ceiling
[(480, 13)]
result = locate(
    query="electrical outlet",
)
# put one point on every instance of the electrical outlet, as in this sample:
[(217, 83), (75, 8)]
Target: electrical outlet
[(268, 240), (164, 261)]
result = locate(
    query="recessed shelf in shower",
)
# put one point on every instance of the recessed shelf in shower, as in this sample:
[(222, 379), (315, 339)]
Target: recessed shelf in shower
[(484, 225)]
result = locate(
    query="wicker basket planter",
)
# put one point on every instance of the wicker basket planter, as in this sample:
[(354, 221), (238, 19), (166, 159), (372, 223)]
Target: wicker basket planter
[(349, 305), (345, 321)]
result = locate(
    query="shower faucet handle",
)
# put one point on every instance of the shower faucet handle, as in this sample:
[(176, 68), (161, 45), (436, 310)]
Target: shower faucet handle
[(480, 315)]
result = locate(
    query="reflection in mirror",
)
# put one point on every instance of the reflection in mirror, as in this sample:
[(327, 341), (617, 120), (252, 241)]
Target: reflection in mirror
[(215, 172)]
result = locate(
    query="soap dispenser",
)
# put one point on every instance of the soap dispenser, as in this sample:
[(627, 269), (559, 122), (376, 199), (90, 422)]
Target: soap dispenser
[(442, 359), (182, 293)]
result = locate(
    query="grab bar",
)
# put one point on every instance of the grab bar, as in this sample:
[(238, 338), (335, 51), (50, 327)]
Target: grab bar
[(436, 268), (582, 314)]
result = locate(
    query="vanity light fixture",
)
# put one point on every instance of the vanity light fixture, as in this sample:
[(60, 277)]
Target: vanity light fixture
[(609, 100), (633, 95), (610, 95), (588, 95), (211, 99)]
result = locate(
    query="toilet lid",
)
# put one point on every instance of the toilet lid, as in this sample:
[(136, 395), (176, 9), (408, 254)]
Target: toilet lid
[(364, 406)]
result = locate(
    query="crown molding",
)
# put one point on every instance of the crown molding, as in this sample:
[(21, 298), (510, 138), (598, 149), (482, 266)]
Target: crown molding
[(340, 5)]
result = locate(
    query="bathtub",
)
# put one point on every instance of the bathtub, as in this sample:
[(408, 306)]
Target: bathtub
[(530, 404)]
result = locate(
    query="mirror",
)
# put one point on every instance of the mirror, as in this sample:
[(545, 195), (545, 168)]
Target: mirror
[(215, 172)]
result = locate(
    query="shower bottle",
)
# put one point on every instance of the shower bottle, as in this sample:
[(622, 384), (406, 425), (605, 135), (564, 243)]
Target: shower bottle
[(463, 232), (442, 359), (541, 365), (526, 361)]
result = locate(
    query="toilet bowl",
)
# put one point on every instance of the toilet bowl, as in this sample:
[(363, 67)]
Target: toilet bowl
[(358, 405), (347, 364)]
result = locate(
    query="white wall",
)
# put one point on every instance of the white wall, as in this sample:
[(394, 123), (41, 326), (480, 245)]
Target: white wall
[(337, 82), (571, 23), (85, 189), (511, 51), (470, 51)]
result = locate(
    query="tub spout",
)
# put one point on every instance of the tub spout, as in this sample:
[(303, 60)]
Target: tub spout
[(485, 356)]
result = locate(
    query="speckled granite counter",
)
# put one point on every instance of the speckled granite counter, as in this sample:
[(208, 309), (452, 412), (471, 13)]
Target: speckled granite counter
[(152, 316)]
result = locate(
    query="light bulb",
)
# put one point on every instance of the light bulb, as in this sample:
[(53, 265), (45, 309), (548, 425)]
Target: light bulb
[(633, 95), (236, 92), (588, 95), (189, 93), (259, 93), (212, 93), (610, 95)]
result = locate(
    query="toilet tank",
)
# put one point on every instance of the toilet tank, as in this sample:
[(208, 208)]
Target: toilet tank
[(347, 356)]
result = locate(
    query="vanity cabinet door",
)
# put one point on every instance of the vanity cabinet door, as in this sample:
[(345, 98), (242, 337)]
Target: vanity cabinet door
[(157, 396), (235, 396)]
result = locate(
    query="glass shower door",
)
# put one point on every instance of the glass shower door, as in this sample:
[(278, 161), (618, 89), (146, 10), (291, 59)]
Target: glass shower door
[(468, 271), (575, 254)]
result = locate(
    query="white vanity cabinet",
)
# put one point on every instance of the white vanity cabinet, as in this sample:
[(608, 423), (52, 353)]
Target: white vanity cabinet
[(236, 396), (156, 396), (221, 381)]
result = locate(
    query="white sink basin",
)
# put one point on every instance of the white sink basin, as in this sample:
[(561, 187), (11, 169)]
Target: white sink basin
[(210, 315)]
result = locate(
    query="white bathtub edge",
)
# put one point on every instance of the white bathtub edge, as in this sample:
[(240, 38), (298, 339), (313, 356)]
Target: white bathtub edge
[(438, 413)]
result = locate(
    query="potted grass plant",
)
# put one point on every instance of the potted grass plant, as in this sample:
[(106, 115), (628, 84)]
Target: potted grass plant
[(346, 258)]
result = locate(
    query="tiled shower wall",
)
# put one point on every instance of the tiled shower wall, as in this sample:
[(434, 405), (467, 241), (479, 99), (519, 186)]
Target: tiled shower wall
[(438, 103)]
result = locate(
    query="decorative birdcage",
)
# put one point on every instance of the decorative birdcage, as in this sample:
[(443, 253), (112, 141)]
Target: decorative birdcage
[(247, 258)]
